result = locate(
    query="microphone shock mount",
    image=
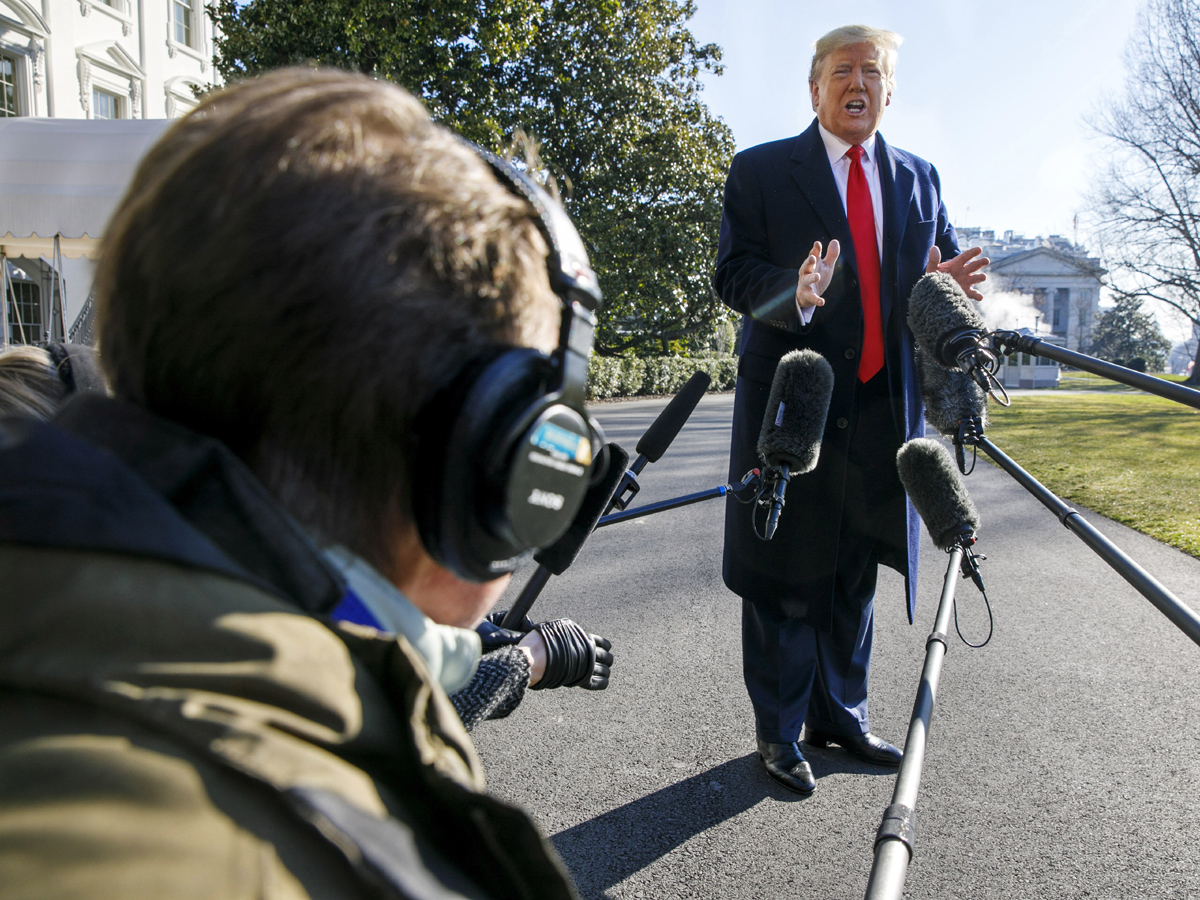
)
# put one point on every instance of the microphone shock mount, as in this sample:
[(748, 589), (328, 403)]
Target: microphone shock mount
[(981, 361), (970, 432)]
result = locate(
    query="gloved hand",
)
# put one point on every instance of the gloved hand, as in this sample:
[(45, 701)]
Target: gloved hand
[(523, 627), (493, 636), (574, 658)]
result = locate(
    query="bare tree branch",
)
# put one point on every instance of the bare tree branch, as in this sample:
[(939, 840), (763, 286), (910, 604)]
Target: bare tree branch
[(1146, 207)]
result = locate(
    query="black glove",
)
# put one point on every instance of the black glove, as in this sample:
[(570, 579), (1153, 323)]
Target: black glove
[(574, 658), (493, 637), (496, 618)]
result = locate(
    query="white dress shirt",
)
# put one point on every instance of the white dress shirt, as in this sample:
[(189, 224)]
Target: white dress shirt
[(840, 163)]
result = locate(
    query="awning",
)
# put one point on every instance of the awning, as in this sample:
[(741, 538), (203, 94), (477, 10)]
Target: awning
[(64, 177)]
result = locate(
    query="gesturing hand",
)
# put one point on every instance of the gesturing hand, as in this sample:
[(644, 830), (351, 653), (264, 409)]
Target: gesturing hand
[(816, 274), (964, 268)]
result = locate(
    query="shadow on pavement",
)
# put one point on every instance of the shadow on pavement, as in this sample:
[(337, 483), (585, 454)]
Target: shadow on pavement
[(606, 850)]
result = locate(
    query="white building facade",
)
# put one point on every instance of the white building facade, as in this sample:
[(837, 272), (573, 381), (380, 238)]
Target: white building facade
[(103, 59), (1062, 282), (84, 60)]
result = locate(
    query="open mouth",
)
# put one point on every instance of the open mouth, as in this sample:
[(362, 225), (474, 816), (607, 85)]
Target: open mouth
[(856, 106)]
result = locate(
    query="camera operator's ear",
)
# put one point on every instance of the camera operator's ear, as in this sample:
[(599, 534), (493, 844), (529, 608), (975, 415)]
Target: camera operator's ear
[(78, 367)]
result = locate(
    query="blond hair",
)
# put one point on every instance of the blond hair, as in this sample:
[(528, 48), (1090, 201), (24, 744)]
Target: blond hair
[(29, 383), (887, 42)]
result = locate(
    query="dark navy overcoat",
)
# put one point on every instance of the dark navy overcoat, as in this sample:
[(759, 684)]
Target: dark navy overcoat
[(779, 198)]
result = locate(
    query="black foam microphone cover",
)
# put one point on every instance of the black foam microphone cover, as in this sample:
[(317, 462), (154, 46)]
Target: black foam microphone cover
[(658, 437), (796, 411), (943, 319), (951, 395), (559, 555), (937, 491)]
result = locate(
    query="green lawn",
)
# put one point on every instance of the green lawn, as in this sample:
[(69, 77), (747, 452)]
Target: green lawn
[(1132, 457), (1086, 381)]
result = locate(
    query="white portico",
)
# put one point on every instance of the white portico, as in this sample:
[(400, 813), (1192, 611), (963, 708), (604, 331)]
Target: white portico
[(1061, 281)]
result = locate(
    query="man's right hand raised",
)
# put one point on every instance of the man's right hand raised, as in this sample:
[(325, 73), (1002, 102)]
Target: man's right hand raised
[(815, 275)]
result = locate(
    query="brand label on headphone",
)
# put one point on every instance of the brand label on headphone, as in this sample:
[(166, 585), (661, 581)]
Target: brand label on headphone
[(561, 444), (561, 465), (547, 499)]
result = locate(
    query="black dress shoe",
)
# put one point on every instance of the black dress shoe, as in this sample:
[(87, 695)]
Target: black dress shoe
[(866, 747), (787, 765)]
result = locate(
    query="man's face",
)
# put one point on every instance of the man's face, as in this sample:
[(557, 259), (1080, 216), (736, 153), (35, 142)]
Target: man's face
[(850, 92)]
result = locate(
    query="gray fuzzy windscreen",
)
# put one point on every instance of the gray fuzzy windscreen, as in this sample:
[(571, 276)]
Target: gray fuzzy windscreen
[(937, 306), (936, 490), (949, 394), (796, 410)]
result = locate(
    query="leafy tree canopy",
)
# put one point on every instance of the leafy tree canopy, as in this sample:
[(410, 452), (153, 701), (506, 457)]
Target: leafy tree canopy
[(609, 89), (1125, 333)]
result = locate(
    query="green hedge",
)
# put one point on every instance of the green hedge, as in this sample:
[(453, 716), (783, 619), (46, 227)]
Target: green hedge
[(627, 376)]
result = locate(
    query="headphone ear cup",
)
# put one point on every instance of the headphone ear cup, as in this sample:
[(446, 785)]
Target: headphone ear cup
[(500, 468)]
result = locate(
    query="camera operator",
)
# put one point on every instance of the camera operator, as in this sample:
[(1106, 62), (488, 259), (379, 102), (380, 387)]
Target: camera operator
[(302, 301)]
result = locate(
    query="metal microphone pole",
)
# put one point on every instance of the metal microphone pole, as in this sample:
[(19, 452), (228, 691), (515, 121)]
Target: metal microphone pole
[(897, 832), (541, 575), (663, 505), (751, 481), (1167, 603), (1009, 342)]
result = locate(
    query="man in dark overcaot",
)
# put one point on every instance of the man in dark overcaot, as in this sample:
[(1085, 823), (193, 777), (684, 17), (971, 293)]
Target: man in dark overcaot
[(823, 237)]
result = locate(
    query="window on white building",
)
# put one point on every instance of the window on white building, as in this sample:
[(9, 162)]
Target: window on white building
[(105, 105), (183, 14), (24, 313), (9, 105), (1062, 310)]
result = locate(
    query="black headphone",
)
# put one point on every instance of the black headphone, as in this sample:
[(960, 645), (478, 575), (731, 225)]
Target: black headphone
[(506, 450)]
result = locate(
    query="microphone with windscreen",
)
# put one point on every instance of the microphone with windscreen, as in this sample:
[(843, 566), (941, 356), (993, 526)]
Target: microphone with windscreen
[(951, 396), (950, 330), (790, 440), (937, 491), (941, 499)]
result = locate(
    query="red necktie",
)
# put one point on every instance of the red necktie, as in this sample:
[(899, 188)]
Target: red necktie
[(861, 213)]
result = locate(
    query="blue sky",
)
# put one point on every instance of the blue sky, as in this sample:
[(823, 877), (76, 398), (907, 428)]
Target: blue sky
[(993, 94)]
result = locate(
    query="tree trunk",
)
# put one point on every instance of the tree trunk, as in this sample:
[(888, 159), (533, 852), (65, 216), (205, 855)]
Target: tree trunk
[(1194, 378)]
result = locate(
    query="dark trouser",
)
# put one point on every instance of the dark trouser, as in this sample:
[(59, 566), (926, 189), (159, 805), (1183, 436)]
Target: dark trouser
[(796, 673)]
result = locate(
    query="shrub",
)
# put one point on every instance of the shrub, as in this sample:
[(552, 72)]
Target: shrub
[(633, 376), (604, 377), (628, 376)]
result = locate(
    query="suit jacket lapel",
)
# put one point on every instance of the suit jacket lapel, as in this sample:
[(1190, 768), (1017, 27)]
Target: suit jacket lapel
[(896, 181), (811, 172)]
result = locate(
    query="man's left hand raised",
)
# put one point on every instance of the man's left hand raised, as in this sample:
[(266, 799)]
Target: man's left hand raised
[(964, 268)]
